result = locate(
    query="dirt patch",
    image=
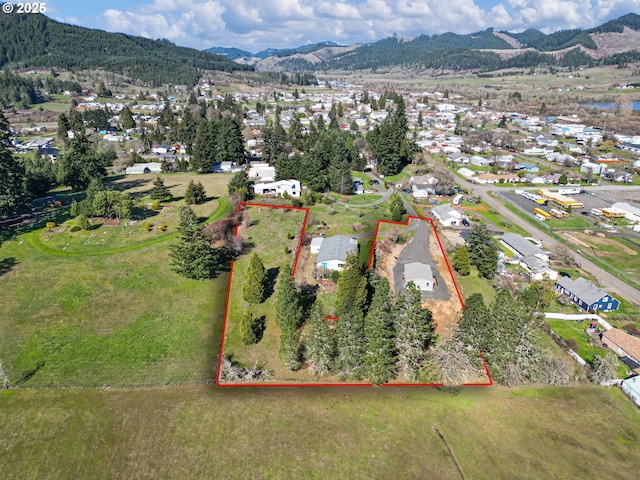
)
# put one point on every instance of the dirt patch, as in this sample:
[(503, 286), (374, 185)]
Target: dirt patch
[(573, 239), (445, 313), (386, 256), (599, 240)]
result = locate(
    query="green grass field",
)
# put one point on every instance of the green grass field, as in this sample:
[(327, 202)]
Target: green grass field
[(268, 238), (111, 313), (379, 433)]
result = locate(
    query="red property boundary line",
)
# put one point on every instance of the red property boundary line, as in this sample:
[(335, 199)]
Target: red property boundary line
[(295, 264)]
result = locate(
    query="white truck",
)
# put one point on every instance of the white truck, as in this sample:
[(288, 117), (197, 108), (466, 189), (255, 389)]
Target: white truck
[(457, 199)]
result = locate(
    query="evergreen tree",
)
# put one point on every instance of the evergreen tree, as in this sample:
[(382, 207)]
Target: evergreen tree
[(241, 185), (230, 142), (193, 256), (288, 167), (195, 193), (387, 141), (39, 175), (414, 331), (247, 329), (295, 136), (127, 119), (396, 207), (379, 358), (482, 251), (255, 283), (12, 191), (187, 130), (63, 127), (461, 262), (79, 164), (290, 348), (563, 179), (204, 147), (159, 191), (350, 345), (349, 284), (288, 306), (320, 349)]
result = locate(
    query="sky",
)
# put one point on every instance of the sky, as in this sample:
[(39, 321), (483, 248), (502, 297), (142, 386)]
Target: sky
[(254, 25)]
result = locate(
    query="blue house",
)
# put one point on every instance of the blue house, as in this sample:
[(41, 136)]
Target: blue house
[(586, 295)]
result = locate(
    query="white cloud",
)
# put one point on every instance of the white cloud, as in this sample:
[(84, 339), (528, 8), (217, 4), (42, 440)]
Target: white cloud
[(255, 25)]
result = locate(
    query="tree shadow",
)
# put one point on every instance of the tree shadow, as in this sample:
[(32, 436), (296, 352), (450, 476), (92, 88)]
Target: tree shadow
[(122, 186), (308, 294), (258, 327), (272, 276), (29, 373), (7, 264), (144, 213)]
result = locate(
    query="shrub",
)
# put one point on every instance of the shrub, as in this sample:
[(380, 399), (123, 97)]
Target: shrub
[(287, 250), (155, 205), (163, 227), (75, 228), (147, 227), (83, 222), (51, 225), (289, 236), (572, 343)]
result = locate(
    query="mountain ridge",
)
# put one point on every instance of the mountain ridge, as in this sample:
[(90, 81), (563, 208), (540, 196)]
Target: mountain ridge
[(484, 50)]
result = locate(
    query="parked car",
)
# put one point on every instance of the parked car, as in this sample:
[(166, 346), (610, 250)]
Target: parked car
[(465, 222), (585, 213), (564, 274)]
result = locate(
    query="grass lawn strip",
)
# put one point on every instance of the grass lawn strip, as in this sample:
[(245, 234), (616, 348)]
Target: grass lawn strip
[(197, 432)]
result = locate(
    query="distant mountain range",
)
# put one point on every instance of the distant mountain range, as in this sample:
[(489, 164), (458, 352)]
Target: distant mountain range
[(36, 41), (614, 42)]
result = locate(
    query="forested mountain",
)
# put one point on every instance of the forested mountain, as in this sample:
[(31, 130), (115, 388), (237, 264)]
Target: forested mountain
[(37, 41), (483, 51)]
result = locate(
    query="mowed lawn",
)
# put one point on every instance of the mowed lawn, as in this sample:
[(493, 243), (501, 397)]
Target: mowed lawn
[(289, 433), (122, 319), (112, 313), (267, 236)]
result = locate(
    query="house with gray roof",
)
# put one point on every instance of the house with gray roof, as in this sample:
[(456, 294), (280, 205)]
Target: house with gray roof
[(586, 295), (523, 247), (333, 251)]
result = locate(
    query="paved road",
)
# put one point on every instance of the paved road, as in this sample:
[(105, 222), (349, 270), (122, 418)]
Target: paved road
[(608, 281), (417, 250)]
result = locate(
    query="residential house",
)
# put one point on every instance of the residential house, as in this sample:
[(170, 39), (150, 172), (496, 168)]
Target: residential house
[(420, 274), (538, 268), (479, 161), (333, 251), (140, 168), (289, 187), (446, 215), (536, 150), (534, 179), (527, 167), (420, 191), (485, 178), (466, 173), (622, 343), (586, 295), (594, 167), (262, 171), (458, 158), (523, 247)]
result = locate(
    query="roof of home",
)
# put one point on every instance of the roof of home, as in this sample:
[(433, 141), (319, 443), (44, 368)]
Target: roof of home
[(583, 289), (416, 271), (535, 264), (336, 248), (628, 343), (521, 245)]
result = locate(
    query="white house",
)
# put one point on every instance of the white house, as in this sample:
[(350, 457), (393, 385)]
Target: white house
[(262, 171), (290, 187), (140, 168), (446, 215), (466, 173), (595, 168), (420, 274), (333, 251), (420, 191)]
